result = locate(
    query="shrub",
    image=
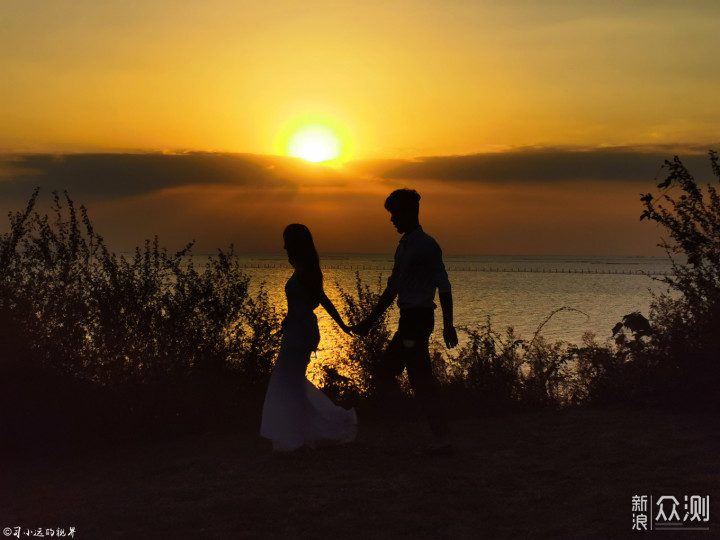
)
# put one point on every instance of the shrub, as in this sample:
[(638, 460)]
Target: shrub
[(505, 372), (362, 354), (487, 366), (150, 318), (686, 319)]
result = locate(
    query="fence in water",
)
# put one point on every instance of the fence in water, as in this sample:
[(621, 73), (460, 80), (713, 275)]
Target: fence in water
[(474, 268)]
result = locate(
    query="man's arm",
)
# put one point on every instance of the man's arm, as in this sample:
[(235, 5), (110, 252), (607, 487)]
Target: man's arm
[(386, 299), (449, 333)]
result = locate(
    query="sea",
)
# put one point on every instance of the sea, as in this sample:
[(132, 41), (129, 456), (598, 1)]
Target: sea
[(565, 295)]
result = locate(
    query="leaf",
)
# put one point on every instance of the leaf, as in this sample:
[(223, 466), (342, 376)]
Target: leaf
[(637, 323)]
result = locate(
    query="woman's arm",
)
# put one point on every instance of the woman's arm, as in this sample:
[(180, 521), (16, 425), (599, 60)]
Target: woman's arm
[(330, 308)]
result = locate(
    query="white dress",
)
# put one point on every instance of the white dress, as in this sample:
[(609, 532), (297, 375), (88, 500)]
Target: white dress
[(296, 414)]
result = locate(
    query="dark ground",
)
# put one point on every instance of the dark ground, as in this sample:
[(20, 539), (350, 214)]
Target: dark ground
[(569, 474)]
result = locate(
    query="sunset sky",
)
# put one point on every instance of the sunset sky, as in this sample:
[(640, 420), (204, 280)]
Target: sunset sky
[(527, 127)]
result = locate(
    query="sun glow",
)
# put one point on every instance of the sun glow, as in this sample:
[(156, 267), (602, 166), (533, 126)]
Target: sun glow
[(315, 143)]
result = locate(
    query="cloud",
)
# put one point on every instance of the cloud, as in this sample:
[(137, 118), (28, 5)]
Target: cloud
[(123, 175), (101, 176), (615, 164), (550, 200), (215, 198)]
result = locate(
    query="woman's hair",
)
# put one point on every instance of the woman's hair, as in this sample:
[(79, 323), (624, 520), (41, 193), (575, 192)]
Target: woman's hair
[(301, 251)]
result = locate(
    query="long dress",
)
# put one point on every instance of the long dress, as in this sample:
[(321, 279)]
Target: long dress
[(296, 414)]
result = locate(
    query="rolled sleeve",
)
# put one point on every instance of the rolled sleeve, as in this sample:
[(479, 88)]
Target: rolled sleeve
[(393, 282), (442, 282)]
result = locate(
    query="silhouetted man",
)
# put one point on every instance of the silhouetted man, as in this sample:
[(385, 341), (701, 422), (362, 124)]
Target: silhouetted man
[(417, 273)]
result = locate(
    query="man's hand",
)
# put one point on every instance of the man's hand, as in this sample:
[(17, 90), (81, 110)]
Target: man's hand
[(450, 335), (361, 329)]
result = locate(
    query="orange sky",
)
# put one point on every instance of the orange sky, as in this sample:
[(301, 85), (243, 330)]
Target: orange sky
[(396, 80)]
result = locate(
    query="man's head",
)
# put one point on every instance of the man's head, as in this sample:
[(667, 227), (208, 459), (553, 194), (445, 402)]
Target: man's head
[(404, 207)]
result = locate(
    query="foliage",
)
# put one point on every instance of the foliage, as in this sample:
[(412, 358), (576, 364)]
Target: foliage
[(686, 320), (505, 371), (150, 318), (260, 340), (362, 354), (488, 366)]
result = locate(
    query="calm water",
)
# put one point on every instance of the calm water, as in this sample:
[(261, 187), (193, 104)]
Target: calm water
[(512, 291)]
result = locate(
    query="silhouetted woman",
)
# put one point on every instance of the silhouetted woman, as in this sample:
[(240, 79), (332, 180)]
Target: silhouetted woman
[(296, 414)]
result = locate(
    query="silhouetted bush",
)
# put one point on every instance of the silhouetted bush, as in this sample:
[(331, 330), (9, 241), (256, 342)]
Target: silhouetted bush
[(686, 320), (672, 358), (138, 326), (113, 319), (614, 374), (487, 366), (506, 372), (361, 355)]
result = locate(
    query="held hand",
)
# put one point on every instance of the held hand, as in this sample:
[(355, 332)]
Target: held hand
[(450, 335), (361, 329)]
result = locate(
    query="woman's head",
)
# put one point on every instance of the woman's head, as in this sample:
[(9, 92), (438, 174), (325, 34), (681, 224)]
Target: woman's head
[(300, 246)]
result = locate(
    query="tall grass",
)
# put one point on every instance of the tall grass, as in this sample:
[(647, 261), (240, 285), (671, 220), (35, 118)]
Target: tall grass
[(101, 339), (113, 319)]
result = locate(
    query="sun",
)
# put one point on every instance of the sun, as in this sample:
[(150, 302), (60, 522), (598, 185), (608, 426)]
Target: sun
[(315, 143)]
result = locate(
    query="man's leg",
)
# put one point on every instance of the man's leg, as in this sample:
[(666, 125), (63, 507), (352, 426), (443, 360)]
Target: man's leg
[(419, 369), (390, 367)]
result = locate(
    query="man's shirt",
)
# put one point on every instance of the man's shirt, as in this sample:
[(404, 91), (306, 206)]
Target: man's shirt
[(418, 271)]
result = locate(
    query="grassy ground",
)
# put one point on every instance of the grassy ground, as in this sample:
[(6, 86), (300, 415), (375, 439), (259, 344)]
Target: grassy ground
[(567, 474)]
